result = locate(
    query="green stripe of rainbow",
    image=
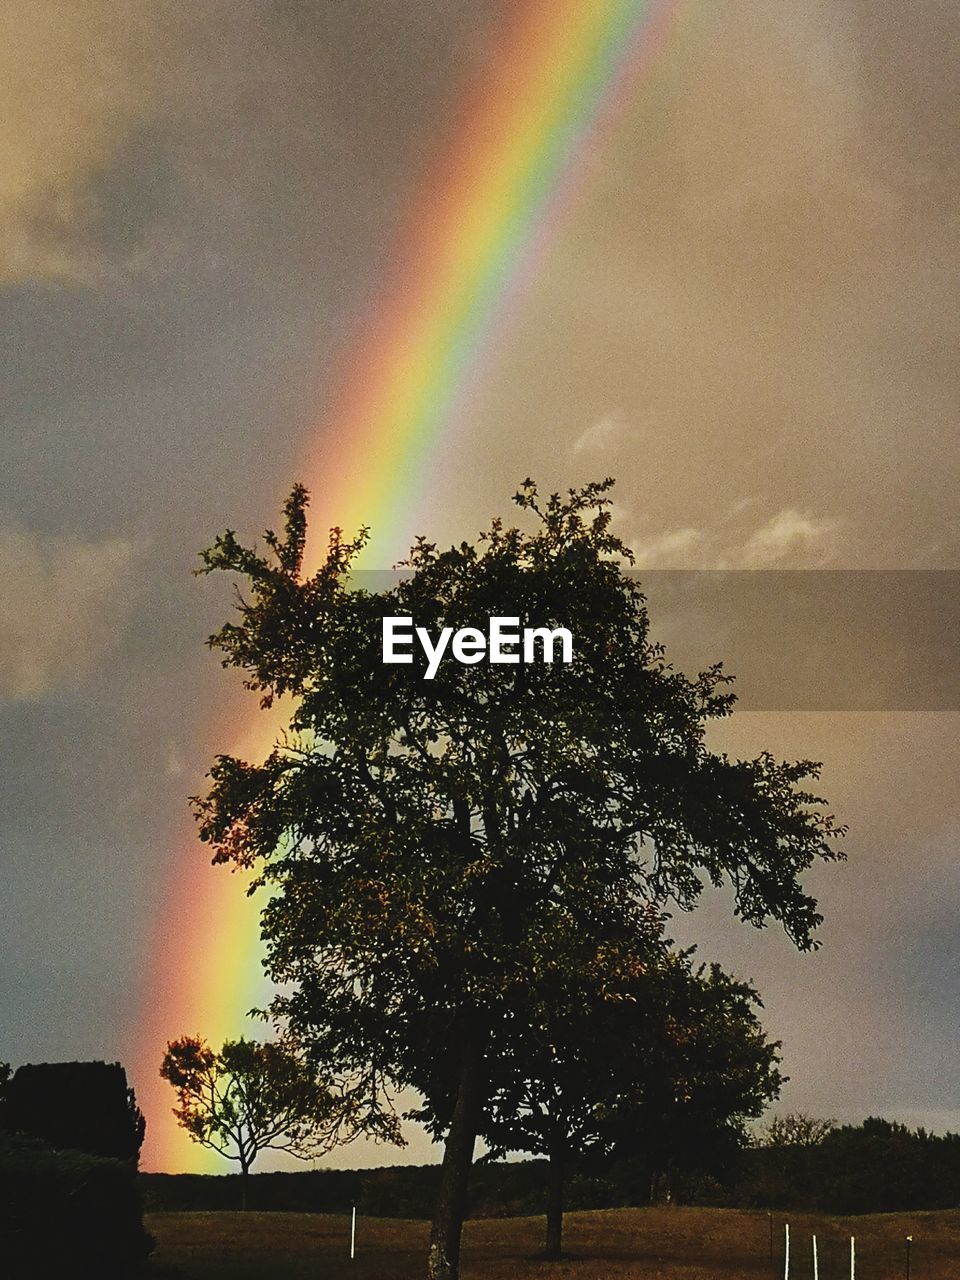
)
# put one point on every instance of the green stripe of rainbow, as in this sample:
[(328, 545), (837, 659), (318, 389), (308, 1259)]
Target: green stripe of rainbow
[(484, 217)]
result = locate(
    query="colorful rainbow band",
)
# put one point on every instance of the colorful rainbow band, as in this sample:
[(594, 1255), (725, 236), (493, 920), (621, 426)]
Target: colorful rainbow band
[(557, 77)]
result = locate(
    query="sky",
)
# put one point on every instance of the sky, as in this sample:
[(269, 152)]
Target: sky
[(747, 314)]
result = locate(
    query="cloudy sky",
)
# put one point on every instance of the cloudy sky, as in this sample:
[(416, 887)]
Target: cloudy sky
[(748, 315)]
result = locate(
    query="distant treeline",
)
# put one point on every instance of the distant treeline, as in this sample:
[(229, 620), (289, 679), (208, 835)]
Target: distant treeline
[(875, 1167), (498, 1189)]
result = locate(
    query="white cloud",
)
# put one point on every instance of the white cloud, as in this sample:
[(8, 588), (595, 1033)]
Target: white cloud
[(667, 548), (790, 535), (174, 761), (790, 539), (607, 433), (62, 608)]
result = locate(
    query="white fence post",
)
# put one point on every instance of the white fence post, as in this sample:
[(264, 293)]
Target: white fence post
[(786, 1251), (853, 1258), (353, 1233)]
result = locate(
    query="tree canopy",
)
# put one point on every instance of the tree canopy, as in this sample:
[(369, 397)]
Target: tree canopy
[(667, 1072), (452, 844), (796, 1129)]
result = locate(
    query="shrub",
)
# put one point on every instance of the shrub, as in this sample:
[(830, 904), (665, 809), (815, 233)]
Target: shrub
[(86, 1106), (67, 1213)]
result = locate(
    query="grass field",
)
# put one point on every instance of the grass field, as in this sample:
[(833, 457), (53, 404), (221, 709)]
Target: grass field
[(656, 1244)]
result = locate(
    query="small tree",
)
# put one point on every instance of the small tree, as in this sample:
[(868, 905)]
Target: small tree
[(791, 1162), (707, 1070), (252, 1097), (796, 1129), (665, 1065)]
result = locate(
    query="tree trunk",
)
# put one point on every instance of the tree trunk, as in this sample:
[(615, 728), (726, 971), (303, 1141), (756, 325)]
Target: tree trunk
[(244, 1183), (555, 1185), (443, 1261)]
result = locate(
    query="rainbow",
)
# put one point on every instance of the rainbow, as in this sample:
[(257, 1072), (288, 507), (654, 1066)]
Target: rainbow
[(558, 76)]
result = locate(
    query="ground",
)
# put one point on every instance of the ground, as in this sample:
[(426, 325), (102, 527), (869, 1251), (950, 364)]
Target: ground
[(649, 1244)]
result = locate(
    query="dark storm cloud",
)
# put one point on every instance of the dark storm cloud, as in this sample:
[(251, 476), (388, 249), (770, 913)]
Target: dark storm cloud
[(217, 249)]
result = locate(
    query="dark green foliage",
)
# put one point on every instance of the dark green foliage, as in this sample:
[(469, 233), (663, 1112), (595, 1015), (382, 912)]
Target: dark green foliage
[(497, 1189), (656, 1082), (393, 1192), (796, 1129), (454, 845), (701, 1067), (876, 1167), (66, 1213), (85, 1106), (881, 1166), (670, 1070), (445, 844), (5, 1074)]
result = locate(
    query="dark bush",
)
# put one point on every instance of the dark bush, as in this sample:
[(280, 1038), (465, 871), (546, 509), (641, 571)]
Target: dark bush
[(66, 1213), (880, 1167), (86, 1106)]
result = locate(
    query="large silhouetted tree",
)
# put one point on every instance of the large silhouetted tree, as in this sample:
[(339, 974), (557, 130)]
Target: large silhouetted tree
[(451, 844)]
